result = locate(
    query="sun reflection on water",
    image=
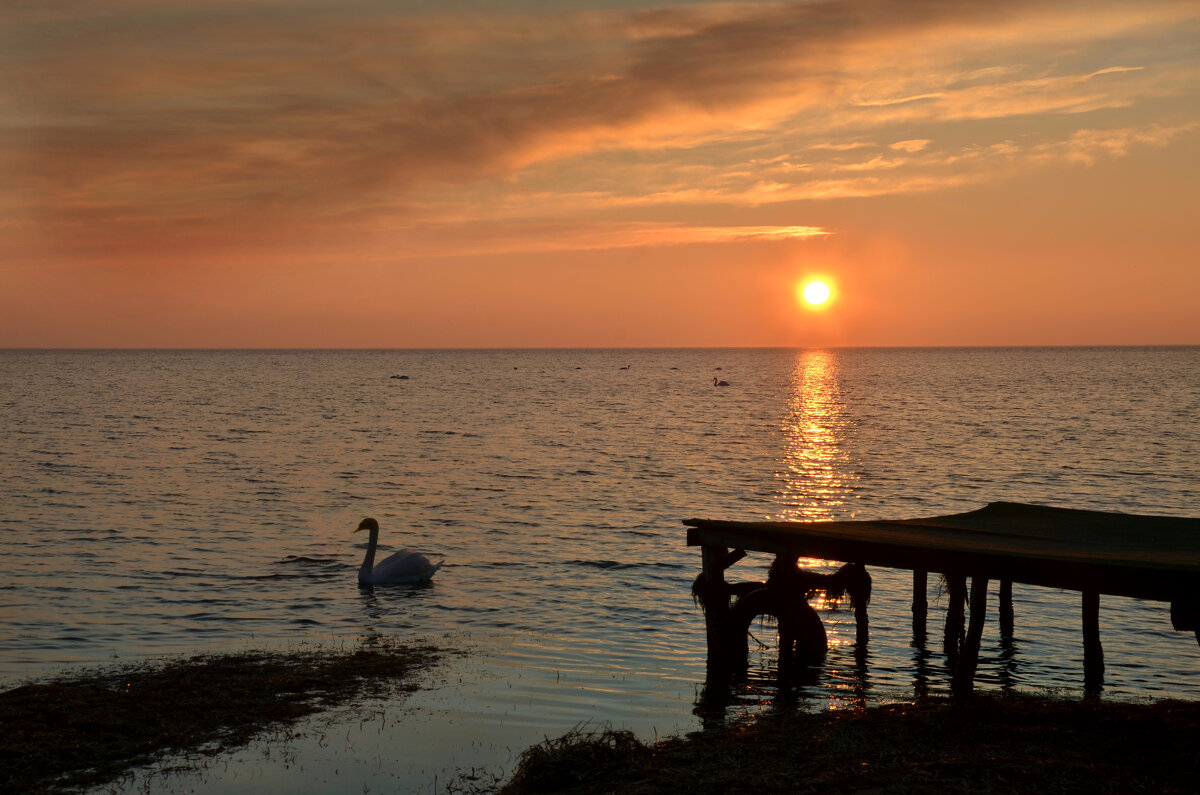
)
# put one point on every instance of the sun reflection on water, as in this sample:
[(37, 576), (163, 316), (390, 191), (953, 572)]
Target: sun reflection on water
[(817, 473)]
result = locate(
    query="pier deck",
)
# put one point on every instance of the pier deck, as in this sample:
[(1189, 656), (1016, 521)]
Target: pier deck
[(1093, 552)]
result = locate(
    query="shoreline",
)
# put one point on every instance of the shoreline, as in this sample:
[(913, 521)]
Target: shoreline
[(92, 726), (981, 744)]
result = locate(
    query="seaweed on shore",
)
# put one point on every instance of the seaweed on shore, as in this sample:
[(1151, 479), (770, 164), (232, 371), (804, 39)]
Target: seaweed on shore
[(980, 745), (88, 728), (578, 757)]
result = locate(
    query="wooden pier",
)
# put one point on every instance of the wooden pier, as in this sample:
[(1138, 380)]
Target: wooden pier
[(1092, 552)]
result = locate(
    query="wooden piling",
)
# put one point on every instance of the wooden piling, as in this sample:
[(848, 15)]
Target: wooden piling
[(716, 604), (920, 606), (860, 598), (968, 657), (1006, 609), (957, 597), (1093, 652)]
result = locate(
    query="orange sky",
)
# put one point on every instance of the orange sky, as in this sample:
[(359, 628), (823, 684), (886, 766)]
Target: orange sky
[(371, 173)]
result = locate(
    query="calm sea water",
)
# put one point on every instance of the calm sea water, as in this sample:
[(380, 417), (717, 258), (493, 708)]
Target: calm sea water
[(166, 503)]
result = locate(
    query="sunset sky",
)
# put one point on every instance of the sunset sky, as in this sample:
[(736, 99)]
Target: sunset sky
[(388, 173)]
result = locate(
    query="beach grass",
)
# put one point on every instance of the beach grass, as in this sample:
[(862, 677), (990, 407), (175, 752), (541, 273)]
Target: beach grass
[(984, 744), (88, 728)]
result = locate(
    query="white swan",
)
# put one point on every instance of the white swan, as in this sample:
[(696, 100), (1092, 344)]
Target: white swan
[(405, 566)]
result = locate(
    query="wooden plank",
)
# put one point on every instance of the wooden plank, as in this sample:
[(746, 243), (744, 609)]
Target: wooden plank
[(1015, 529), (1144, 557)]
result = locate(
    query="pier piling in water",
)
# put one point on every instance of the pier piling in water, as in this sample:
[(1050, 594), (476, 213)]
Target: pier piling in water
[(968, 656), (1006, 609), (956, 598), (1093, 652), (920, 606)]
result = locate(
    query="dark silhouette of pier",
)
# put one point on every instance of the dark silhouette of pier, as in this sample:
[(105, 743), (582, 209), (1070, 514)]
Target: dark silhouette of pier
[(1092, 552)]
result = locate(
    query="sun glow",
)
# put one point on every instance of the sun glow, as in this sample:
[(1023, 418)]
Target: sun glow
[(814, 293)]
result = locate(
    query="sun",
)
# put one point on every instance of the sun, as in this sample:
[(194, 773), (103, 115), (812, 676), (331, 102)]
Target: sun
[(814, 293)]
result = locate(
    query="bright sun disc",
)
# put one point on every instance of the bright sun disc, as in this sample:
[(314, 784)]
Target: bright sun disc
[(816, 293)]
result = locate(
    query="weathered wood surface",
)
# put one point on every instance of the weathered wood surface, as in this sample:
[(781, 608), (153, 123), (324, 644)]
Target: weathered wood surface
[(1148, 557)]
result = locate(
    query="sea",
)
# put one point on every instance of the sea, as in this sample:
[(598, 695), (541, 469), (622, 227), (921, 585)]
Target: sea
[(161, 504)]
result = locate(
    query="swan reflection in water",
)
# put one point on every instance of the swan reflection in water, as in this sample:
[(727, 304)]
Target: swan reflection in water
[(403, 567)]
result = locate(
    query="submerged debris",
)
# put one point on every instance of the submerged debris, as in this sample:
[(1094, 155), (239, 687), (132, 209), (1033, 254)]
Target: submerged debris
[(84, 729)]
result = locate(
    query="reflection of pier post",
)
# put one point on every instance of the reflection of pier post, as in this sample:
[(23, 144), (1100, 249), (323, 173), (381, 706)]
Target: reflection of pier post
[(921, 671), (968, 657), (952, 636)]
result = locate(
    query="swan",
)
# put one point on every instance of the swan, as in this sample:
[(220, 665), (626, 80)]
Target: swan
[(717, 382), (405, 566)]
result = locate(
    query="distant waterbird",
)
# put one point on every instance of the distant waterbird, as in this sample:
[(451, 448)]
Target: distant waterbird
[(405, 566), (718, 382)]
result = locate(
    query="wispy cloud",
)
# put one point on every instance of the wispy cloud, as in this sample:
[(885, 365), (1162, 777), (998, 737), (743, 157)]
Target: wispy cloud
[(193, 125), (1088, 146), (473, 239), (910, 146)]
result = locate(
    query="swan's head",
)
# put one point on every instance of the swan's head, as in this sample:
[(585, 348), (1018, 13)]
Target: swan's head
[(368, 524)]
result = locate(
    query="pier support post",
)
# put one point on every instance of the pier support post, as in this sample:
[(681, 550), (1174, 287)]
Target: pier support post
[(716, 605), (968, 657), (920, 606), (1006, 609), (861, 596), (1093, 652), (952, 637)]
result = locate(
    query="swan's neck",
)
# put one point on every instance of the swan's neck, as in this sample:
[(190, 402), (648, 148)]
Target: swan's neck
[(368, 563)]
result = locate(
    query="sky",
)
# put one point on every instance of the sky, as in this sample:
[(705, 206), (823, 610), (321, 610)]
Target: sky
[(390, 174)]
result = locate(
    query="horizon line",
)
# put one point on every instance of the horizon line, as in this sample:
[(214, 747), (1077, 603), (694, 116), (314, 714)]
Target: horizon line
[(334, 349)]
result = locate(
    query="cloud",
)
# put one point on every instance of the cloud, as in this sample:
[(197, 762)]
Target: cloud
[(910, 146), (1086, 147), (473, 239), (203, 123), (853, 173), (900, 100)]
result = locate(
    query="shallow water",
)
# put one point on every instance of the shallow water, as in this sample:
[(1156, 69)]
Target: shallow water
[(164, 503)]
